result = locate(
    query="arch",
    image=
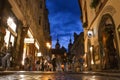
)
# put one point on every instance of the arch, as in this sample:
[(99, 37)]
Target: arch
[(107, 42), (109, 9)]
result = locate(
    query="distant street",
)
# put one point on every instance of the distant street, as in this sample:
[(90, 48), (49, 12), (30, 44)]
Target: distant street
[(36, 75)]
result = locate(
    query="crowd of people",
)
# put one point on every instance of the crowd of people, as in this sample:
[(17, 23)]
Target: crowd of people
[(55, 63)]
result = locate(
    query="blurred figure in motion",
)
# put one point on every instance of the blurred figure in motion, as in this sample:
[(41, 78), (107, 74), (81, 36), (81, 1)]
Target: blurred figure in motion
[(9, 53), (3, 52), (54, 62)]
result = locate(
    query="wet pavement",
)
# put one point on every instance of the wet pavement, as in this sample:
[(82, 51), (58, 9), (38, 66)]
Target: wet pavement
[(37, 75)]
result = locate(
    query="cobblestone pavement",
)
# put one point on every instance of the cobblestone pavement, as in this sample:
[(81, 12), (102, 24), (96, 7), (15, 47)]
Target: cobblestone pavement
[(54, 76)]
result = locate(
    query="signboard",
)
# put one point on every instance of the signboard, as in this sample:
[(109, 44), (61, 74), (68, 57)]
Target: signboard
[(29, 40)]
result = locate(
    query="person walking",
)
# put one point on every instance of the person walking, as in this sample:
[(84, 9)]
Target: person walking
[(38, 64), (7, 56), (27, 63), (4, 48), (3, 51), (64, 62), (54, 62)]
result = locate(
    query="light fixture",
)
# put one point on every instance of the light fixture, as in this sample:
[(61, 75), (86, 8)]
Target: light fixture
[(11, 24), (39, 54), (48, 45), (29, 40), (90, 33)]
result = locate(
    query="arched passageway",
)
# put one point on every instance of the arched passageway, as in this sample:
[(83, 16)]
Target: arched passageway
[(108, 43)]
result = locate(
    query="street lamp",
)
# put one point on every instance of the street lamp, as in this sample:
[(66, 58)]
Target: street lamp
[(49, 47), (39, 54), (90, 33)]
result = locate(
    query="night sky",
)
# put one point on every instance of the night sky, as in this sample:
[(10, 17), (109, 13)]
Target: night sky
[(64, 18)]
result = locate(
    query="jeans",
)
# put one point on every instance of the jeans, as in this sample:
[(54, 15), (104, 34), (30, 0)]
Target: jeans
[(6, 58)]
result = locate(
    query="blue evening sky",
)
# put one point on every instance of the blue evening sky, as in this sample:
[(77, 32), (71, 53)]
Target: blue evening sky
[(64, 18)]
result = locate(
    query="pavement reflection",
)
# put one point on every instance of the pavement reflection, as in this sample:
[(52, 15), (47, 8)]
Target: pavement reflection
[(55, 76)]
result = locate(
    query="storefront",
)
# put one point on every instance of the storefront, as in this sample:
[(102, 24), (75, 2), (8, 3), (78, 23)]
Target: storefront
[(10, 31), (31, 47)]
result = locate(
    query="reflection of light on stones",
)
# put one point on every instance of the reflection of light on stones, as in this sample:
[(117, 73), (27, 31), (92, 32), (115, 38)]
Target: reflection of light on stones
[(22, 76), (93, 76)]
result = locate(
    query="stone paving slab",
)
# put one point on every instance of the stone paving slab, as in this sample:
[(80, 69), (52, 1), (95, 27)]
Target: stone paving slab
[(38, 75)]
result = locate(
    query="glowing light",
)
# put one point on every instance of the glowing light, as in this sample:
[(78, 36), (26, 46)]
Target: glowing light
[(24, 54), (119, 29), (11, 24), (90, 33), (91, 48), (93, 76), (92, 62), (7, 37), (85, 65), (30, 34), (48, 45), (36, 45), (22, 76), (39, 54), (12, 39)]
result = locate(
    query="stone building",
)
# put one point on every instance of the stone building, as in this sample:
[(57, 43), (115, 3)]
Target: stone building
[(101, 25), (78, 45), (25, 23), (70, 46), (58, 50)]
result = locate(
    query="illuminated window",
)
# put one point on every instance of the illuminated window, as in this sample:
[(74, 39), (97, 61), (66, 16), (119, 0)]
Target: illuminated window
[(12, 39), (7, 36), (11, 24)]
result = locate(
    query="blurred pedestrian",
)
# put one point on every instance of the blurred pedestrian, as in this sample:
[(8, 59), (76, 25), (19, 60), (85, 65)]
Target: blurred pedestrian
[(38, 64), (54, 62), (58, 62), (9, 53), (64, 62), (31, 62), (81, 60), (26, 64), (3, 51)]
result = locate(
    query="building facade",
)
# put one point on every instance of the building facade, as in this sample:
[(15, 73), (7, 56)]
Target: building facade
[(78, 45), (24, 23), (101, 33), (58, 50)]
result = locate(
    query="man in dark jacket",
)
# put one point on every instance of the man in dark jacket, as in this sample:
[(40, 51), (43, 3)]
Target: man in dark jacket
[(7, 56)]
